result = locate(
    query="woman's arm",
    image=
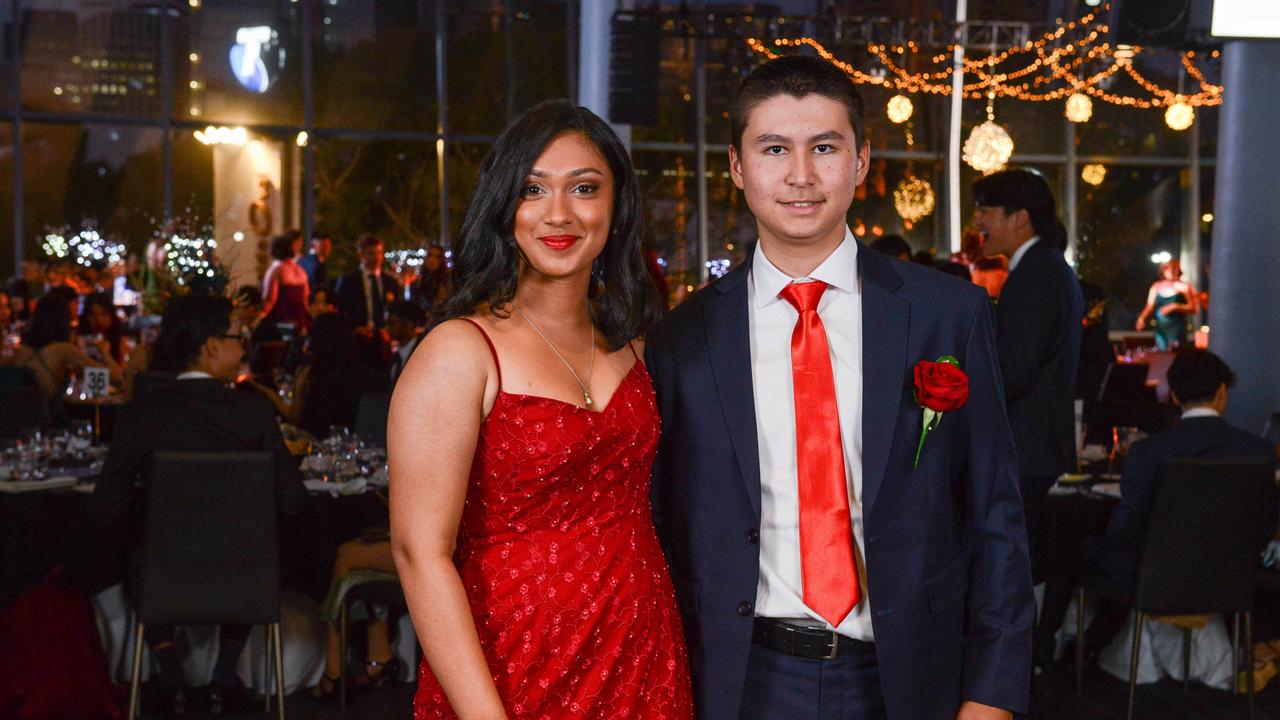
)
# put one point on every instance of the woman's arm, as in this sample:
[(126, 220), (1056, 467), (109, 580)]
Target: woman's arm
[(289, 411), (74, 359), (442, 394), (1146, 311)]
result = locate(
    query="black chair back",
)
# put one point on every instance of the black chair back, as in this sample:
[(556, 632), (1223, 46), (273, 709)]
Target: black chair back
[(24, 407), (1201, 544), (371, 417), (210, 552)]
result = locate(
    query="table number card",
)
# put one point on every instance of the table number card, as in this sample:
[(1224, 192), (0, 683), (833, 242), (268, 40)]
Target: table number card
[(97, 382)]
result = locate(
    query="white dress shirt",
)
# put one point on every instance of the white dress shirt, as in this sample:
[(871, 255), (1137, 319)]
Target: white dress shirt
[(371, 286), (1017, 254), (780, 592), (194, 375), (1199, 412)]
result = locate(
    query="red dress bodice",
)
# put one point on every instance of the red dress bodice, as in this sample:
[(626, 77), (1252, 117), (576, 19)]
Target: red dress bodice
[(556, 549)]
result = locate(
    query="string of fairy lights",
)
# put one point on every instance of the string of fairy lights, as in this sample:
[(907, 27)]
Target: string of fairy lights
[(1074, 63)]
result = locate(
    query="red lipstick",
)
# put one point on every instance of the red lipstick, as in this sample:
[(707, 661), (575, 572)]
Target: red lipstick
[(559, 242)]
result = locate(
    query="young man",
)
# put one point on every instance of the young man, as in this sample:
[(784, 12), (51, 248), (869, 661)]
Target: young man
[(363, 293), (405, 321), (197, 412), (818, 562)]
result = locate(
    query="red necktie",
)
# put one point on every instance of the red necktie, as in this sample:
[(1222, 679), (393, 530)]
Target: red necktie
[(827, 563)]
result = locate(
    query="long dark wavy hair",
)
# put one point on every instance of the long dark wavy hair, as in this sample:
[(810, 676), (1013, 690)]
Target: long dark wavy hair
[(487, 262)]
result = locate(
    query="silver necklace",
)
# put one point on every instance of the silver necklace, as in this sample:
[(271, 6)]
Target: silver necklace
[(591, 363)]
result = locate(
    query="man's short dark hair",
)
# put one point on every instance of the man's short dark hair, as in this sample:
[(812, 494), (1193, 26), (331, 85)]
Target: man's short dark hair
[(1196, 375), (282, 246), (368, 240), (319, 235), (797, 76), (408, 311), (188, 323), (1023, 189)]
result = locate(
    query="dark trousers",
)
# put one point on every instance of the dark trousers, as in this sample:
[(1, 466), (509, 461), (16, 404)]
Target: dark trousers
[(231, 640), (1035, 491), (784, 686)]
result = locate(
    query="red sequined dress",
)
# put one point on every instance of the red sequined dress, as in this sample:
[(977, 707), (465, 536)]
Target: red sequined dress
[(557, 551)]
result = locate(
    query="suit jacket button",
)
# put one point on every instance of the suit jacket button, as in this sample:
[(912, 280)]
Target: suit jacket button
[(744, 608), (753, 536)]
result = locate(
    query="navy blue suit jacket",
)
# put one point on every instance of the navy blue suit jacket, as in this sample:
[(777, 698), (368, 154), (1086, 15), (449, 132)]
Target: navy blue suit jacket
[(1039, 330), (945, 544), (1202, 437)]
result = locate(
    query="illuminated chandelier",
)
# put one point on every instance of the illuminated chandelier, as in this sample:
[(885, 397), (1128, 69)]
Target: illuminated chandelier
[(989, 146), (913, 198), (1093, 173), (1079, 108), (899, 109), (1179, 116)]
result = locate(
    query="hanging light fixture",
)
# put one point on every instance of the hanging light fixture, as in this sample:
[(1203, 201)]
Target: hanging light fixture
[(1079, 108), (1093, 173), (1179, 116), (913, 198), (989, 146), (899, 109)]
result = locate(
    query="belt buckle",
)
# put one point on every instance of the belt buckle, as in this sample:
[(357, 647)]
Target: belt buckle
[(835, 646)]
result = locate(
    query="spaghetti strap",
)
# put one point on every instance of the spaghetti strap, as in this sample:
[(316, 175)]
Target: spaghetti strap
[(492, 350), (631, 344)]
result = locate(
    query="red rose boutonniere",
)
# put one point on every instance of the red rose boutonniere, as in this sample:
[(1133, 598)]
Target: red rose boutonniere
[(939, 387)]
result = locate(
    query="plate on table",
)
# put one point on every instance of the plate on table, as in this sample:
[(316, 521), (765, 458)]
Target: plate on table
[(1106, 489), (1075, 478)]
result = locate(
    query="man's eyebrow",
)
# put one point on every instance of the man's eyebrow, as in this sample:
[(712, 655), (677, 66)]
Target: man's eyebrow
[(782, 139)]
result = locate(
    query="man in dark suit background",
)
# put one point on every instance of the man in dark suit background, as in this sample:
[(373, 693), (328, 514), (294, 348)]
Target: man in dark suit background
[(363, 293), (198, 412), (1198, 382), (314, 262), (1038, 328), (938, 621)]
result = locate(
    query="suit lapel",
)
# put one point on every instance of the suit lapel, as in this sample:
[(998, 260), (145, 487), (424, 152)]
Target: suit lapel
[(885, 319), (728, 329)]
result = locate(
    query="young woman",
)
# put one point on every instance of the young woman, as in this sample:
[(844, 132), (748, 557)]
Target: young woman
[(521, 438), (284, 287), (48, 351), (1172, 300)]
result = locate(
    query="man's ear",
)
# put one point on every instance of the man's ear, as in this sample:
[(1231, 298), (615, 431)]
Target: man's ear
[(735, 166), (864, 163), (1023, 218)]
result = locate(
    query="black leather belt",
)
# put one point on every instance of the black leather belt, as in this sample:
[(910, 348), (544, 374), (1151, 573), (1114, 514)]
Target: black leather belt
[(806, 642)]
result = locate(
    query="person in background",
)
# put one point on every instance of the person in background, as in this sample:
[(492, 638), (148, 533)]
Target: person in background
[(197, 412), (893, 246), (6, 311), (328, 384), (1173, 301), (313, 263), (48, 352), (25, 289), (1038, 336), (405, 322), (362, 294), (247, 312), (284, 287), (98, 321), (372, 551), (1198, 383), (956, 269), (434, 284)]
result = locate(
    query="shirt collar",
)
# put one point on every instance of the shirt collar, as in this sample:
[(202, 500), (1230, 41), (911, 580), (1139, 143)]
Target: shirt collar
[(1017, 255), (1200, 412), (195, 375), (839, 271)]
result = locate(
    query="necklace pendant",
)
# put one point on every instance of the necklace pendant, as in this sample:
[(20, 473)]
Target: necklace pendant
[(586, 398)]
